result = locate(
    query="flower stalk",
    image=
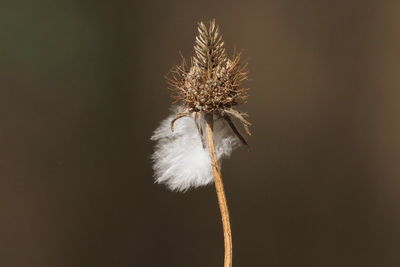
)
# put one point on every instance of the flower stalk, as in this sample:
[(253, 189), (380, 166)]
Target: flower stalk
[(219, 187)]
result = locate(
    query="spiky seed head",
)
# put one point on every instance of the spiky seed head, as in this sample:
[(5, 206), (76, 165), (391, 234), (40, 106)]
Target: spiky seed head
[(212, 82)]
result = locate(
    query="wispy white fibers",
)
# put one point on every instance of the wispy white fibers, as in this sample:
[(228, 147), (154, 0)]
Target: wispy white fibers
[(180, 160)]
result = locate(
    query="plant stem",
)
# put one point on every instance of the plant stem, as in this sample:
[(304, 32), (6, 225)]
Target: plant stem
[(219, 186)]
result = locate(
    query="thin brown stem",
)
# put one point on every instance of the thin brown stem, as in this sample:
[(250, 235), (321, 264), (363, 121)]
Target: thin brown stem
[(219, 186)]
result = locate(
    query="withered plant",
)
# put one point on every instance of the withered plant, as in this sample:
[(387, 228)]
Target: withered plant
[(208, 89)]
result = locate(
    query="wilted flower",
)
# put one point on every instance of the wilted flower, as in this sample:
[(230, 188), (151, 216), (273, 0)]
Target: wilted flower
[(212, 82)]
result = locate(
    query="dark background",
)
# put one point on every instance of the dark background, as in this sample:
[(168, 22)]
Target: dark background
[(82, 89)]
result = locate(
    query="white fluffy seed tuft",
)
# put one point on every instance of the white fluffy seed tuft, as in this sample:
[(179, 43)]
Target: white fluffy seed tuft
[(179, 160)]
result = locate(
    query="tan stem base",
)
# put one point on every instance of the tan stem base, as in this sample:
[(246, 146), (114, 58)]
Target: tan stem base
[(219, 186)]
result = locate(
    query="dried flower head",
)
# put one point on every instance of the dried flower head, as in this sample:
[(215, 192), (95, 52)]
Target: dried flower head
[(212, 82)]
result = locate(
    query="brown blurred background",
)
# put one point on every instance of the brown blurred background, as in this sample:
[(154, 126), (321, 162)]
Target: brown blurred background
[(82, 89)]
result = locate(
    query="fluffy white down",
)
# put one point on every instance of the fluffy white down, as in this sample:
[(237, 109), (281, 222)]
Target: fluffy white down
[(180, 161)]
